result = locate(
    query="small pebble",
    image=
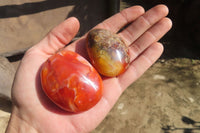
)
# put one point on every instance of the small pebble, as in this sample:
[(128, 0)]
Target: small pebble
[(159, 77), (191, 99), (120, 106)]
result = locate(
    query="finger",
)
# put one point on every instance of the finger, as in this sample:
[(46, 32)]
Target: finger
[(144, 22), (59, 36), (114, 24), (119, 20), (135, 70), (150, 36), (140, 64)]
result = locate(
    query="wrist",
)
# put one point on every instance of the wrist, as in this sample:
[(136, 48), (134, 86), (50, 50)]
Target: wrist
[(18, 125)]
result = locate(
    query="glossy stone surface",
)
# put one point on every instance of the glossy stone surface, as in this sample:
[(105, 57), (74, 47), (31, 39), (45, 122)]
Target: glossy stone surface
[(71, 82), (108, 52)]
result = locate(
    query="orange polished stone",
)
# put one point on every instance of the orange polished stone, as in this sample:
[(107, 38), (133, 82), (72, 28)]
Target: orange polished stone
[(71, 82), (107, 51)]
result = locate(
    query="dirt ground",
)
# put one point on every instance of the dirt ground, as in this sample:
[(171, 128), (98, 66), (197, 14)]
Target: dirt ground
[(164, 100)]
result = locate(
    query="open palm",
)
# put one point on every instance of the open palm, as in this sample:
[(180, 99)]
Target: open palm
[(36, 111)]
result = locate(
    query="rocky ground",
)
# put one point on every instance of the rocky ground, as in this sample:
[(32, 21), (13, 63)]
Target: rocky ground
[(164, 100)]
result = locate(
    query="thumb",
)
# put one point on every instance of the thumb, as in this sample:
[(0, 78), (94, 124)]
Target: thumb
[(58, 37)]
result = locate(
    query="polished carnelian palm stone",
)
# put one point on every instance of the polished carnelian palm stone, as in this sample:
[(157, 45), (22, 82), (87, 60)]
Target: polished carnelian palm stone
[(71, 82), (107, 51)]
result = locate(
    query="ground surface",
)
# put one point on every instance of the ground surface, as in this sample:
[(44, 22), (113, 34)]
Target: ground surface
[(164, 100), (160, 101)]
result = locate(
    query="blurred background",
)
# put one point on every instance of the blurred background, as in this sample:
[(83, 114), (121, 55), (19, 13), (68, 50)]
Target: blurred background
[(23, 23), (175, 78), (184, 38)]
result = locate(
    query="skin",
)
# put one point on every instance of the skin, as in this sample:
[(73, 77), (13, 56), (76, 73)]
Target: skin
[(33, 112)]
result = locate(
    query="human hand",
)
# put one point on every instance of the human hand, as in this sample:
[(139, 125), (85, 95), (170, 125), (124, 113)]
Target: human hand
[(34, 112)]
